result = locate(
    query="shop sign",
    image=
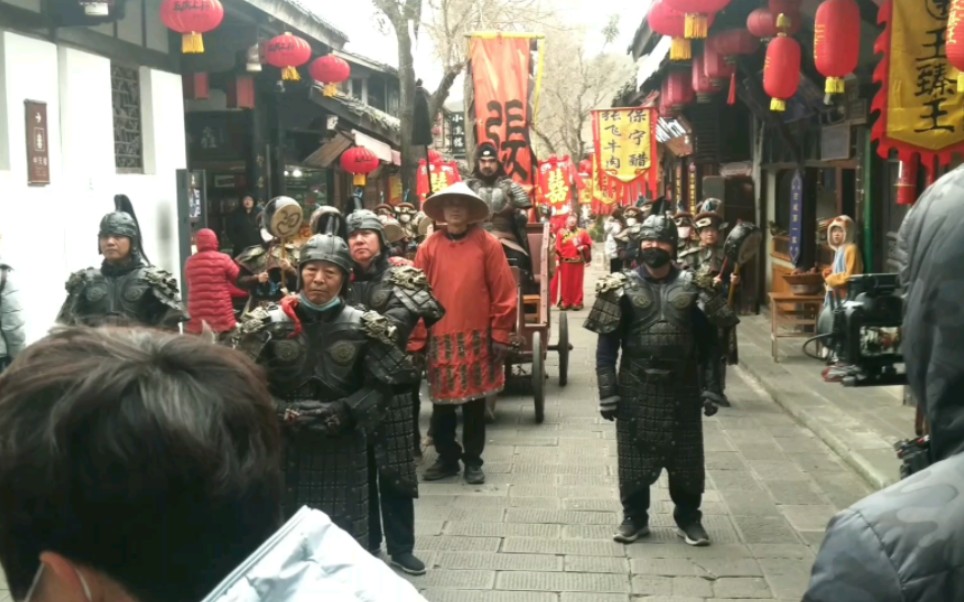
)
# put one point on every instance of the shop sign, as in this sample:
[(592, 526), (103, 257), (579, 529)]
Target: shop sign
[(796, 216), (679, 187), (691, 185), (835, 142), (38, 153)]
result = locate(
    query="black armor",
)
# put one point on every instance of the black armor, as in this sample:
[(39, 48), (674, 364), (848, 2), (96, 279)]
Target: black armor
[(665, 340), (332, 374), (507, 201)]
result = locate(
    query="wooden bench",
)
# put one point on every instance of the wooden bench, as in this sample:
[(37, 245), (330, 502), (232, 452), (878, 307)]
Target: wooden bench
[(792, 316)]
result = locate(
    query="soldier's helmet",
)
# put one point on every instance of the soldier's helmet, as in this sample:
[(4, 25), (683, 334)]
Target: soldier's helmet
[(328, 248), (661, 229), (328, 220), (123, 222), (363, 219)]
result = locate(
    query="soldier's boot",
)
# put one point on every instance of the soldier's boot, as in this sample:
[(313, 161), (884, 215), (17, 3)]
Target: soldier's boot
[(694, 534), (630, 530)]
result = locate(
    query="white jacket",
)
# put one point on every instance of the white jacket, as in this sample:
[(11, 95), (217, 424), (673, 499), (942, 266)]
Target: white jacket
[(11, 317)]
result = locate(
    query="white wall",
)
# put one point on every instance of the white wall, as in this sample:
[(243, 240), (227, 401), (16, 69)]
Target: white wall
[(50, 231)]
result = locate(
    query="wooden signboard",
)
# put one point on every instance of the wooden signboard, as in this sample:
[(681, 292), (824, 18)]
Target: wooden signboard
[(38, 155)]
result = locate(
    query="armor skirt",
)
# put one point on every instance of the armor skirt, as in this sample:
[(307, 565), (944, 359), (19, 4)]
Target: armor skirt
[(330, 474), (658, 425), (395, 445)]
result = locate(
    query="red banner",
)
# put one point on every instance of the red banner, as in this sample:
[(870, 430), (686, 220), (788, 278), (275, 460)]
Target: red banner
[(625, 161), (500, 79), (444, 174), (555, 183)]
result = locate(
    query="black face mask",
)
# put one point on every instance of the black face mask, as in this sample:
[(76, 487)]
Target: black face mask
[(655, 257)]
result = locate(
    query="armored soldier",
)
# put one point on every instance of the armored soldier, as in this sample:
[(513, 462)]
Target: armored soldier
[(407, 216), (331, 368), (627, 240), (507, 202), (403, 295), (652, 315), (126, 290), (688, 239)]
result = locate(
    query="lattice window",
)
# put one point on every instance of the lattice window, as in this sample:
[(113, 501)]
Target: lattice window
[(128, 136)]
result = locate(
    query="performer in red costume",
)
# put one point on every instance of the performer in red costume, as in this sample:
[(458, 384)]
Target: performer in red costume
[(573, 251)]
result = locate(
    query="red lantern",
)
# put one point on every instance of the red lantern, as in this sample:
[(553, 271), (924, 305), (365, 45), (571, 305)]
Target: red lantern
[(715, 65), (765, 25), (907, 180), (679, 89), (287, 52), (781, 71), (703, 86), (359, 161), (671, 23), (699, 15), (191, 18), (955, 40), (196, 86), (836, 42), (330, 70), (733, 42)]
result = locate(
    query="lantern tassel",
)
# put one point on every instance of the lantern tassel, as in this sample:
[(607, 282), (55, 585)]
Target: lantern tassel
[(358, 179), (696, 26), (331, 90), (960, 83), (778, 105), (680, 49), (731, 97), (192, 43), (290, 74), (834, 85), (783, 23)]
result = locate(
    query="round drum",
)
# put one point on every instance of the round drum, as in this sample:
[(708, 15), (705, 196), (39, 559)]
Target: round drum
[(742, 243), (283, 217)]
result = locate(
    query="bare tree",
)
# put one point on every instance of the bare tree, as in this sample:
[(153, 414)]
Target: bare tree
[(573, 85)]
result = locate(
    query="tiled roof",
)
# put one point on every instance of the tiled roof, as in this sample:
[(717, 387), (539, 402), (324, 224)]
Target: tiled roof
[(300, 6)]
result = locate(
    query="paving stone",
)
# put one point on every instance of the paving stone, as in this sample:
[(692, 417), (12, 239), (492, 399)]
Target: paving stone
[(597, 480), (776, 470), (666, 567), (458, 543), (574, 469), (562, 517), (729, 567), (593, 597), (741, 588), (501, 596), (544, 503), (725, 461), (794, 551), (438, 594), (596, 564), (796, 492), (680, 550), (765, 529), (786, 577), (563, 582), (813, 538), (589, 531), (498, 561), (477, 514), (605, 504), (808, 518), (652, 586), (428, 527), (477, 529), (759, 503), (574, 547), (692, 587), (452, 579)]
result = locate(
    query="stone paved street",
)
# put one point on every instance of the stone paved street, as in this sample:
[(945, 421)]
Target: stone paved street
[(540, 529)]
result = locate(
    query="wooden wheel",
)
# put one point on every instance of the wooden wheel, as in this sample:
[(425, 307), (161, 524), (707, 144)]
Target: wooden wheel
[(538, 377), (563, 347)]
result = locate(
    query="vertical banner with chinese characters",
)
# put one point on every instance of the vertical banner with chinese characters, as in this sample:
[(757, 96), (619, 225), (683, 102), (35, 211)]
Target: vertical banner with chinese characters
[(625, 145), (555, 185), (501, 67), (796, 216), (443, 173), (920, 109), (38, 155)]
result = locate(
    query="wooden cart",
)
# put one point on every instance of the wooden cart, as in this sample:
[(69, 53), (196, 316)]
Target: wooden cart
[(532, 330)]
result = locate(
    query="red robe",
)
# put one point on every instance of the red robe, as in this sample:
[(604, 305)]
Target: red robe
[(572, 267), (472, 280)]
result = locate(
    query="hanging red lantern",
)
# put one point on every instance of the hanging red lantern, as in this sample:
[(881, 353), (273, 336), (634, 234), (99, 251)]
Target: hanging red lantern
[(907, 180), (359, 161), (698, 15), (330, 71), (703, 86), (955, 40), (781, 71), (734, 42), (671, 23), (765, 25), (715, 65), (836, 42), (679, 89), (191, 18), (287, 52)]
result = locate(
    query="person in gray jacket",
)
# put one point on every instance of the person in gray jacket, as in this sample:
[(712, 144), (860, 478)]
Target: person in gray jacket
[(11, 317), (906, 542)]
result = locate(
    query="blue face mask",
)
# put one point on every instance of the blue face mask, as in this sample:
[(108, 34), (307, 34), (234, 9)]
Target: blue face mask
[(325, 306)]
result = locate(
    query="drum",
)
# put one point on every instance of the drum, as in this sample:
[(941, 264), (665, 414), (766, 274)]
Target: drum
[(392, 229), (742, 243), (282, 217), (424, 224)]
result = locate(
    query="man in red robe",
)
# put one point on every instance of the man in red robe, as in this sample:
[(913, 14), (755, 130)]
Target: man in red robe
[(466, 350), (573, 251)]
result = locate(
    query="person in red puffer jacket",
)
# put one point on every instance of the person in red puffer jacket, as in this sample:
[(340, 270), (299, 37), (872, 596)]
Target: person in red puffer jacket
[(211, 276)]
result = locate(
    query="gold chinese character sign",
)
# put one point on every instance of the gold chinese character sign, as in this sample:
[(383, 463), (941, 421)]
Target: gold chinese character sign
[(918, 103), (625, 145)]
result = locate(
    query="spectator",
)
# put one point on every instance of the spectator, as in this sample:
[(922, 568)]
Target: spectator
[(244, 226), (11, 319), (211, 277), (144, 466), (613, 226)]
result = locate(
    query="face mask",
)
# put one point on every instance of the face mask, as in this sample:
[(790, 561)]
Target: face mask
[(655, 257), (404, 218), (685, 231), (630, 221)]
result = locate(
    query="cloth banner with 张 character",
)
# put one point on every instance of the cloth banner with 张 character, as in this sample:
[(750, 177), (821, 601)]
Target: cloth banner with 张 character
[(626, 152), (501, 68), (444, 174), (918, 104)]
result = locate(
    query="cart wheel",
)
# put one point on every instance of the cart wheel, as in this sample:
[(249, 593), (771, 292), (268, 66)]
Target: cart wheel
[(563, 348), (538, 377)]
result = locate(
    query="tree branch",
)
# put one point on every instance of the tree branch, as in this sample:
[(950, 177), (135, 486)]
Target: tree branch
[(544, 139), (442, 92)]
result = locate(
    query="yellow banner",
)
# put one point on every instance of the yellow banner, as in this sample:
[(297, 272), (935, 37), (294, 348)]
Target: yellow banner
[(923, 105), (624, 140)]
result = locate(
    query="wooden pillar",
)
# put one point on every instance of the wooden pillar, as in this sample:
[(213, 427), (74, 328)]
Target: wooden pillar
[(808, 234), (258, 158)]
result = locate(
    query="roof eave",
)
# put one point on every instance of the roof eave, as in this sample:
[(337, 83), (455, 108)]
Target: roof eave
[(296, 16)]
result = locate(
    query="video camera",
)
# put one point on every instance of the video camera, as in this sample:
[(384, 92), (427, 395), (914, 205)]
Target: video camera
[(866, 333)]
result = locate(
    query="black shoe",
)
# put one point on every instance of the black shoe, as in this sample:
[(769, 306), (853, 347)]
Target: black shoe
[(694, 534), (723, 402), (408, 563), (440, 470), (474, 475), (629, 531)]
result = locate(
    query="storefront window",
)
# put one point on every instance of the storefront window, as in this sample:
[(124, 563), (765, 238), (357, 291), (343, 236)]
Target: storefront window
[(308, 186)]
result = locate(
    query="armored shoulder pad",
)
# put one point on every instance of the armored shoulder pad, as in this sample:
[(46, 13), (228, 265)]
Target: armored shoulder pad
[(252, 258), (689, 253), (77, 280), (254, 331), (606, 312), (384, 359), (378, 328), (412, 288), (163, 285)]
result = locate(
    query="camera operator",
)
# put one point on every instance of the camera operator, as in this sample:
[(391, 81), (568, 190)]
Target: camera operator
[(906, 542)]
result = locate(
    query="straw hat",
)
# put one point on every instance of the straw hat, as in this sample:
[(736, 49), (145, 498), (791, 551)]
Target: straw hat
[(478, 209)]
